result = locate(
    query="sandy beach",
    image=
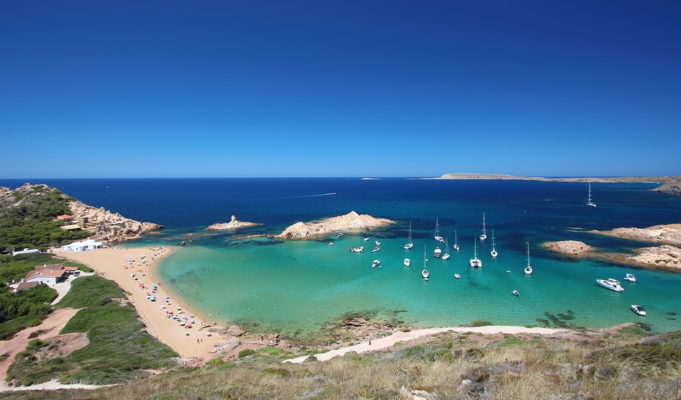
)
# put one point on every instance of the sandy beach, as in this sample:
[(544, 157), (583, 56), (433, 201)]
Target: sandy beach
[(133, 270)]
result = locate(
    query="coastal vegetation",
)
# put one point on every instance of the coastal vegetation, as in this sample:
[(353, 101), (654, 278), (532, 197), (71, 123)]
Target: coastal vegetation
[(119, 348), (27, 218), (622, 363)]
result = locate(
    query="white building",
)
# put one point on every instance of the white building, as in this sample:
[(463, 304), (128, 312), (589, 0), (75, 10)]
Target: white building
[(48, 274), (85, 245), (25, 251)]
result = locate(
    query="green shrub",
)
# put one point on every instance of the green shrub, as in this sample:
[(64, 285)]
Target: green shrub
[(246, 353)]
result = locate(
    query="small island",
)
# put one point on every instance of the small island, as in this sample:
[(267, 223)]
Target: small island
[(573, 248), (231, 225), (667, 234), (349, 221)]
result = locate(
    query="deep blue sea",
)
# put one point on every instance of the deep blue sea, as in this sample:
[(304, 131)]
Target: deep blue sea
[(299, 286)]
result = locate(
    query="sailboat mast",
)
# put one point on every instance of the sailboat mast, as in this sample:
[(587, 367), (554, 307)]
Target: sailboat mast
[(484, 228), (475, 248), (528, 254)]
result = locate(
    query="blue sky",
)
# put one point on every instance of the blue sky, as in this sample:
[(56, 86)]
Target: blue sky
[(366, 88)]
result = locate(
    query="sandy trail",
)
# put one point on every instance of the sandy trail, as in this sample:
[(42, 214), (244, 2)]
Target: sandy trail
[(52, 325), (114, 263), (388, 341)]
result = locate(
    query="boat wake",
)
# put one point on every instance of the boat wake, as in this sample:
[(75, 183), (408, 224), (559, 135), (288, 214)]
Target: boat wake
[(308, 195)]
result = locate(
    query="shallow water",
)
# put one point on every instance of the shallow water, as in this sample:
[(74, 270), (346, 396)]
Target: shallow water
[(298, 286)]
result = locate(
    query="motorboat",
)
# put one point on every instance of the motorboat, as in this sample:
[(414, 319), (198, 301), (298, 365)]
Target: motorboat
[(457, 276), (359, 249), (407, 262), (494, 252), (516, 293), (375, 263), (340, 234), (409, 244), (639, 310), (610, 283), (588, 199), (437, 231), (484, 229), (375, 249), (528, 270), (475, 261), (331, 243), (377, 243), (630, 278), (366, 239)]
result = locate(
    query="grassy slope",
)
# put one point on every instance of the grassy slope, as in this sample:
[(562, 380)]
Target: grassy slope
[(623, 366), (119, 348)]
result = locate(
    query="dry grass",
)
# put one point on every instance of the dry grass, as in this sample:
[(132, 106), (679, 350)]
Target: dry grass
[(450, 366)]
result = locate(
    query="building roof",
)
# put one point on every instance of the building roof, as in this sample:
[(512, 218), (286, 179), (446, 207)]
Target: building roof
[(27, 285), (46, 271), (65, 217)]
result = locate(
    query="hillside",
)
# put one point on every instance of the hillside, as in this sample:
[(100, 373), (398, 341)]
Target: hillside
[(614, 363), (34, 215)]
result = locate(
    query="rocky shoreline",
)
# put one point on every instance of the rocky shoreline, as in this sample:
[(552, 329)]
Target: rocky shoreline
[(351, 221), (233, 224), (665, 234), (572, 248)]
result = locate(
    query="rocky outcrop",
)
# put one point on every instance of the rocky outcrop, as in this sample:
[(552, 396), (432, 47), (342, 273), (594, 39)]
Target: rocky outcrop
[(231, 225), (672, 187), (349, 221), (107, 226), (667, 234), (572, 248), (665, 256)]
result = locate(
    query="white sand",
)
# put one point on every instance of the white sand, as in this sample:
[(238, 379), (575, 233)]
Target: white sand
[(113, 263), (388, 341)]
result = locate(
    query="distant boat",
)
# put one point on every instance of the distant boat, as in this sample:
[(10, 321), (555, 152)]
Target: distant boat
[(456, 241), (475, 261), (457, 276), (377, 243), (630, 278), (340, 234), (359, 249), (375, 249), (366, 239), (437, 253), (528, 270), (407, 262), (375, 263), (331, 243), (610, 283), (437, 231), (494, 250), (484, 229), (516, 293), (639, 310), (409, 244), (588, 199), (445, 256), (424, 273)]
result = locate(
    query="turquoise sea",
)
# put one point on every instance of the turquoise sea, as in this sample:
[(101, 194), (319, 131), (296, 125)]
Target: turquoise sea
[(300, 286)]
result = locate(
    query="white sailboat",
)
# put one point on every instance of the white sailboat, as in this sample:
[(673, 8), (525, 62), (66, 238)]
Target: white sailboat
[(528, 270), (494, 252), (409, 244), (445, 256), (484, 229), (475, 261), (407, 262), (588, 199), (437, 231), (437, 253), (424, 273), (456, 241)]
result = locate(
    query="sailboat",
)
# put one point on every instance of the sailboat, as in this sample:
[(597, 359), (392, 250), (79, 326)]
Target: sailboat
[(437, 253), (456, 241), (494, 252), (437, 231), (484, 229), (425, 274), (475, 261), (409, 244), (445, 256), (407, 262), (528, 269), (588, 199)]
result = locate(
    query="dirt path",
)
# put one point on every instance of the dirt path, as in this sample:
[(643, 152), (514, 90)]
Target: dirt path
[(388, 341), (52, 325)]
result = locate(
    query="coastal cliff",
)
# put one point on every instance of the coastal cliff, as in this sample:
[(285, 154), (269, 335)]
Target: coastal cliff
[(231, 225), (349, 221), (669, 184)]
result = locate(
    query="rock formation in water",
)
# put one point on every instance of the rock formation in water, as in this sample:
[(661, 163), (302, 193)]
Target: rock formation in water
[(668, 234), (349, 221), (573, 248), (231, 225)]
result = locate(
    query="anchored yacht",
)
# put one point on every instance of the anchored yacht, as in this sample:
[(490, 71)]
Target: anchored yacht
[(409, 244), (610, 283), (475, 261)]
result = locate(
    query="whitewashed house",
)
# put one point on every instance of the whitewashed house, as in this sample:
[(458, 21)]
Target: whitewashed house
[(48, 274), (25, 251), (85, 245)]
